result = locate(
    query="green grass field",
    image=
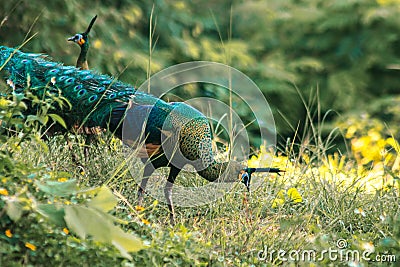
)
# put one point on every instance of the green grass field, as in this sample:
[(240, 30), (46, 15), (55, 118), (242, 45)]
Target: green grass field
[(325, 210)]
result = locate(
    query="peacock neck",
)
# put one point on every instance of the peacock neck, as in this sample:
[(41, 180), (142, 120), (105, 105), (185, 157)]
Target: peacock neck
[(82, 61), (226, 171)]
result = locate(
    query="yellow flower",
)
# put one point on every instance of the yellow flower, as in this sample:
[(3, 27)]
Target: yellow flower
[(374, 134), (62, 179), (335, 162), (387, 2), (3, 192), (281, 194), (180, 5), (351, 131), (97, 44), (306, 158), (30, 246), (66, 231), (3, 103), (253, 162), (82, 172), (277, 202), (294, 195), (118, 55), (393, 143), (139, 208), (144, 221), (8, 233)]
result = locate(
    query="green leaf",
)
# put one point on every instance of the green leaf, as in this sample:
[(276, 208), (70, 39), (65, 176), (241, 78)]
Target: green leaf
[(125, 243), (99, 225), (104, 200), (30, 118), (61, 189), (53, 212), (57, 118), (14, 209), (33, 118), (88, 222)]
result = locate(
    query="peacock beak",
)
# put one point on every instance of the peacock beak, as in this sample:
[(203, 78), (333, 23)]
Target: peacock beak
[(71, 38)]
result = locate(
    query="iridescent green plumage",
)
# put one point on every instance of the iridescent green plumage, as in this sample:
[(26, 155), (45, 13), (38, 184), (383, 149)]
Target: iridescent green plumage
[(99, 100), (92, 96)]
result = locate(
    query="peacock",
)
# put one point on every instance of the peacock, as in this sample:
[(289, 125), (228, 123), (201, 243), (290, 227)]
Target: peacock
[(82, 39), (99, 100)]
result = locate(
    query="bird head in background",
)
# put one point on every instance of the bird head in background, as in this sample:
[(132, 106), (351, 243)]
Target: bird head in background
[(82, 38)]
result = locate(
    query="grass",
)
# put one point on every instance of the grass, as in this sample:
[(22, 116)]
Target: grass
[(345, 202), (312, 206)]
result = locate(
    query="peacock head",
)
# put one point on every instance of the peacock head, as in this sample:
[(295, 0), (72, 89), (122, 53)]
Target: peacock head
[(245, 174), (83, 38), (78, 38)]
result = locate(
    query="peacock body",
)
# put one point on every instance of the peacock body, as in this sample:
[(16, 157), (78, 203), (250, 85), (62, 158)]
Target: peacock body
[(101, 101)]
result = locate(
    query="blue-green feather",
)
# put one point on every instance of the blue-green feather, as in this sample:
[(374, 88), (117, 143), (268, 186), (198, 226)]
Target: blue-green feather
[(92, 96)]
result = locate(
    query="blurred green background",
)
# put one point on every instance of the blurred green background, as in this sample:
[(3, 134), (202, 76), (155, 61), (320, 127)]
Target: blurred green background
[(340, 55)]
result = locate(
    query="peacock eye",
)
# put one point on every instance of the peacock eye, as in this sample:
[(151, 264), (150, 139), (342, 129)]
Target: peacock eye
[(81, 92), (67, 72), (76, 38), (87, 77), (101, 89), (78, 87), (62, 78), (52, 71), (69, 81), (92, 98), (108, 82)]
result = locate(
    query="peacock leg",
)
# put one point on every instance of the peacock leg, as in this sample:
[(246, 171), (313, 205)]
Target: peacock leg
[(91, 135), (168, 192), (75, 158), (88, 140), (148, 171)]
